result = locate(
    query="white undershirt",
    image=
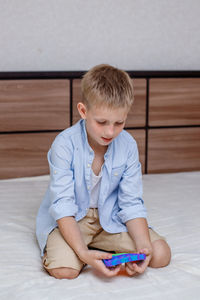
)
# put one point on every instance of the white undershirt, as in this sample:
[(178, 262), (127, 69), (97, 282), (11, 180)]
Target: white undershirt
[(94, 194)]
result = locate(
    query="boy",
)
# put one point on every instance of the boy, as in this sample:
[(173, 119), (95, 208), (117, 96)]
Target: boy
[(94, 198)]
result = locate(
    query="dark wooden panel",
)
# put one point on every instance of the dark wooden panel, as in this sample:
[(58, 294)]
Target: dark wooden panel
[(173, 150), (139, 136), (24, 154), (137, 113), (34, 105), (136, 117), (76, 99), (174, 101)]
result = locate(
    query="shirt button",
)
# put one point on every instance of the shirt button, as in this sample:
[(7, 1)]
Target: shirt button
[(55, 172), (116, 174), (89, 165)]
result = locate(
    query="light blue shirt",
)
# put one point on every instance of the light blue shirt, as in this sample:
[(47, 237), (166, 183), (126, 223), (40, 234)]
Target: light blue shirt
[(70, 159)]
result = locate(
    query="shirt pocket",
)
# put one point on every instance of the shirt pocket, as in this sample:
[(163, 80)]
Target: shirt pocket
[(116, 175)]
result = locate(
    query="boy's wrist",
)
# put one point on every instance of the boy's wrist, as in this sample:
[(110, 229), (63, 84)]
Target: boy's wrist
[(143, 242), (145, 248), (82, 254)]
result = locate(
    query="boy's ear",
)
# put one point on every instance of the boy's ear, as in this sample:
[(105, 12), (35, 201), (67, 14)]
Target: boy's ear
[(82, 110)]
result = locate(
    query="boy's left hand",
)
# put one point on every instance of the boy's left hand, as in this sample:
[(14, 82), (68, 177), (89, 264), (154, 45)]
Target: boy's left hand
[(134, 268)]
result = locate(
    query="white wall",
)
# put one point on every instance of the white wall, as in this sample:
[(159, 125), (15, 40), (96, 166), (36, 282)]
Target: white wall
[(77, 34)]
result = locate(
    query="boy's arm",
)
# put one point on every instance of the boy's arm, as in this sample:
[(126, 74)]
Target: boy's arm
[(72, 235), (139, 232), (130, 192), (132, 211)]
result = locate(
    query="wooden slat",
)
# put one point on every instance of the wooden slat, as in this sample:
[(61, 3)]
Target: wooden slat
[(174, 101), (136, 117), (34, 105), (139, 136), (24, 154), (173, 150)]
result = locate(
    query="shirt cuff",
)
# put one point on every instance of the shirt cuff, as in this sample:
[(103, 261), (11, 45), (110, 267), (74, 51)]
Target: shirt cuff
[(62, 209), (129, 213)]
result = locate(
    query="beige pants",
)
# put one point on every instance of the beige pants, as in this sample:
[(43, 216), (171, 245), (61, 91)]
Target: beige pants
[(59, 254)]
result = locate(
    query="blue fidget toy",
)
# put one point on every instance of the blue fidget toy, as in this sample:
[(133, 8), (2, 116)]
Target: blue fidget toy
[(121, 258)]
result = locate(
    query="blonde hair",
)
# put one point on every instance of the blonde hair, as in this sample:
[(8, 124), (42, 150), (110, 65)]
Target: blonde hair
[(107, 85)]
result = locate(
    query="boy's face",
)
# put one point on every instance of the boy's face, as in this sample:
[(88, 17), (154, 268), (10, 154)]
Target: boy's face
[(103, 124)]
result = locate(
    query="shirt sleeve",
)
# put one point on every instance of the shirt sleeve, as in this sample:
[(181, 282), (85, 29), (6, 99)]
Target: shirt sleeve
[(130, 190), (61, 186)]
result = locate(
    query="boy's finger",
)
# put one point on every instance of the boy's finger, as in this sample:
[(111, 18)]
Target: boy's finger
[(144, 251), (102, 255), (110, 272), (130, 271), (129, 265), (135, 268), (140, 268)]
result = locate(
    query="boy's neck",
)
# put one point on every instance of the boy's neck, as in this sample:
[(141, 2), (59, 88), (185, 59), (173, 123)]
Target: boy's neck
[(98, 149)]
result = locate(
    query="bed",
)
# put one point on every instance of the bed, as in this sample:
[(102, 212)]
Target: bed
[(165, 121), (173, 203)]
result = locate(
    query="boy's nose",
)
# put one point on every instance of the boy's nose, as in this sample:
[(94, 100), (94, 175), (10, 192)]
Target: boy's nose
[(109, 132)]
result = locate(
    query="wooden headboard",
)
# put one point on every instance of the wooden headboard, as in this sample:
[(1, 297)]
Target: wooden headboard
[(36, 106)]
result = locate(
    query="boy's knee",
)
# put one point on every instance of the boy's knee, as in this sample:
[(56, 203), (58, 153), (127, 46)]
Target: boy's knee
[(63, 273), (161, 254)]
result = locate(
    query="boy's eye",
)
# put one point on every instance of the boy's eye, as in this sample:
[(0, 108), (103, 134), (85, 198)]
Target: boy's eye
[(101, 122), (119, 123), (104, 123)]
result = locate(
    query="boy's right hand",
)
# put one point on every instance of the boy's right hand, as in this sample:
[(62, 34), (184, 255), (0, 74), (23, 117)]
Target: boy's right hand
[(94, 259)]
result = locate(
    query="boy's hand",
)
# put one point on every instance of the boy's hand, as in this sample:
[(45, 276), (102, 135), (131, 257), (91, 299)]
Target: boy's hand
[(94, 259), (134, 268)]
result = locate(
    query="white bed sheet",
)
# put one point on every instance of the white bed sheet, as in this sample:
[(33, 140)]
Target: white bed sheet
[(173, 203)]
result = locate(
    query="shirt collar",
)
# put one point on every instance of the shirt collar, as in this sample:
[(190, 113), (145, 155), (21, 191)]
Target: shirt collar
[(110, 146), (85, 138)]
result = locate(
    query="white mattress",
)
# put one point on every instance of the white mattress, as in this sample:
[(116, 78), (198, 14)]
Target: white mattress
[(173, 203)]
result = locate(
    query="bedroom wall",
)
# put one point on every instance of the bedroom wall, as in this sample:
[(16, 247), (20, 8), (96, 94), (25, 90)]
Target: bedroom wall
[(77, 34)]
